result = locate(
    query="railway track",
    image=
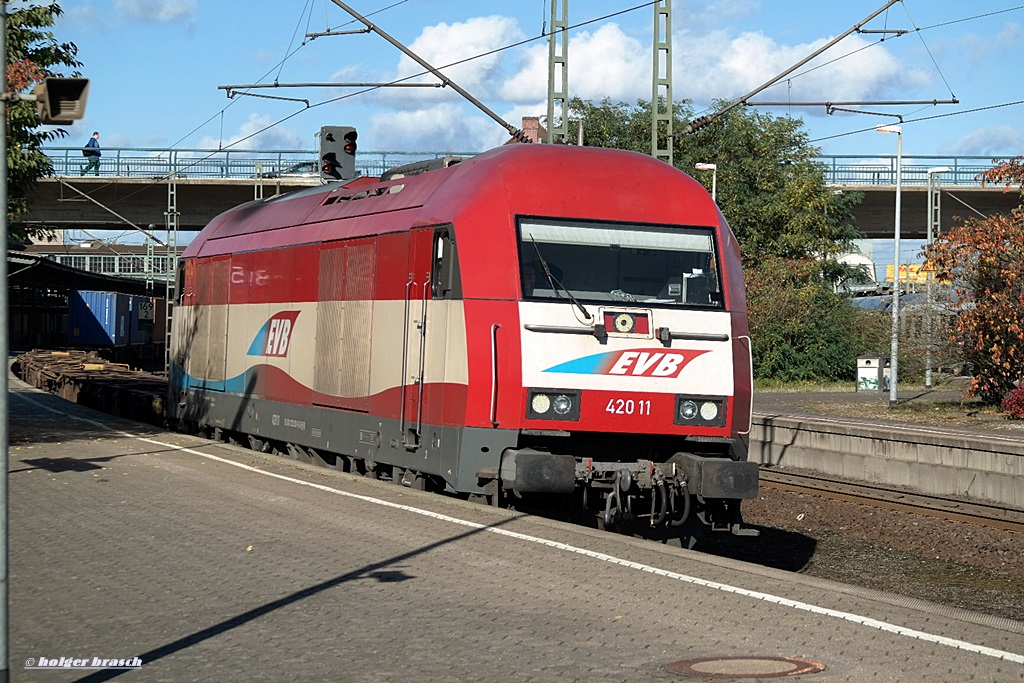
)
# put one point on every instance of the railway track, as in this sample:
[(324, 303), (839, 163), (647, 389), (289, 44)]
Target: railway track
[(87, 378), (111, 387), (993, 516)]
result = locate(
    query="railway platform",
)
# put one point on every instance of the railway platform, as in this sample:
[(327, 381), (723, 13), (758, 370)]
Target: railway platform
[(181, 559), (854, 435)]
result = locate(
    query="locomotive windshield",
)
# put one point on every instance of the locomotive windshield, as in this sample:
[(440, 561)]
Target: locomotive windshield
[(600, 262)]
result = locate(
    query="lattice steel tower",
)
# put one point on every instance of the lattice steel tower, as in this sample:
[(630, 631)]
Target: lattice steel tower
[(558, 71), (661, 90)]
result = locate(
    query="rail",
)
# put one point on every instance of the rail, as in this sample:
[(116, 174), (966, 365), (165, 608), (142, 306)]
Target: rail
[(888, 497), (148, 162)]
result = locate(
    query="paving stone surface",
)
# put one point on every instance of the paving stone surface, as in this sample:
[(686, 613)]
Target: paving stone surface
[(131, 543)]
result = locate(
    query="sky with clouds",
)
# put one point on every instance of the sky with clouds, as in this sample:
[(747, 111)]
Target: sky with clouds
[(156, 67)]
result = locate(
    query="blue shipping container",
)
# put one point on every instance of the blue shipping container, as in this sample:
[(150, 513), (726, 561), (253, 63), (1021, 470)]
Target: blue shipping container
[(99, 319)]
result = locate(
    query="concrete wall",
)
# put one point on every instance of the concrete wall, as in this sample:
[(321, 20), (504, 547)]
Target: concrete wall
[(143, 201), (932, 461)]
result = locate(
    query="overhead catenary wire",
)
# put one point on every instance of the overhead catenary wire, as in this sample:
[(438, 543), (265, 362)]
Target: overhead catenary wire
[(369, 89), (972, 18), (923, 118), (220, 113), (284, 59), (928, 50), (611, 15), (572, 27), (702, 121), (876, 43), (309, 5)]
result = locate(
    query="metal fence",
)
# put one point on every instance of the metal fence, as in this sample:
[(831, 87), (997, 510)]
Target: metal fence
[(881, 170), (210, 163), (136, 162)]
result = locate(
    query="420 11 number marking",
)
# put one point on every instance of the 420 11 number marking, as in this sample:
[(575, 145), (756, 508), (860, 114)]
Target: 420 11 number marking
[(627, 406)]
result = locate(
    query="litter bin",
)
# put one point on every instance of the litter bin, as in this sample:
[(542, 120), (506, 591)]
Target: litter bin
[(873, 372)]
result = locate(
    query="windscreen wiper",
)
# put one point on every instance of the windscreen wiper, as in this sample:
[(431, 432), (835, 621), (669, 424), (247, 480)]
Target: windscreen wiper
[(555, 284)]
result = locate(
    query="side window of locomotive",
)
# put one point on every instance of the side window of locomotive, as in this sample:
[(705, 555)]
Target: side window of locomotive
[(442, 274), (180, 280)]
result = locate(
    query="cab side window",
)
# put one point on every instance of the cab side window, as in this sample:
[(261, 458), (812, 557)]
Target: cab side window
[(444, 275)]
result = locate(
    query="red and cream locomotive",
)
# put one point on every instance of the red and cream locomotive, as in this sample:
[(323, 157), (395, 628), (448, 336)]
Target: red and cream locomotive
[(538, 322)]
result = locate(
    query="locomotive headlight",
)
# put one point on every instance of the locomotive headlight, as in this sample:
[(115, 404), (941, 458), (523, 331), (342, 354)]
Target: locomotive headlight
[(553, 404), (540, 404), (708, 411), (700, 411), (687, 410), (562, 404)]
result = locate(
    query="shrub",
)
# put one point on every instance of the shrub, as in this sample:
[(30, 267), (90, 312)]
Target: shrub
[(802, 331), (982, 259), (1013, 404)]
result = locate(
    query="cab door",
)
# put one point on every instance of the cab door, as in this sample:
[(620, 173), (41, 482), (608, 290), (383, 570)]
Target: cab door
[(415, 334), (432, 277)]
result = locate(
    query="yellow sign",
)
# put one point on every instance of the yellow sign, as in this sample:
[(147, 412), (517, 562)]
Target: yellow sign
[(917, 274), (908, 273)]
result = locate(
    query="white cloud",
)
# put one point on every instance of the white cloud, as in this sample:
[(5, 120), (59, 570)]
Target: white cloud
[(718, 12), (992, 141), (718, 66), (715, 65), (605, 63), (979, 50), (156, 11), (1010, 36), (116, 140), (255, 134), (445, 44), (443, 127), (608, 62)]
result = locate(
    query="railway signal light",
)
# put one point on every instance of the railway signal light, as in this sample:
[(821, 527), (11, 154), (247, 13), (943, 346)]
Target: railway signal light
[(338, 152), (60, 101)]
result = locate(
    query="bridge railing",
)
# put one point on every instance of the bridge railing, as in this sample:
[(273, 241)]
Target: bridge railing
[(211, 163), (136, 162), (881, 170)]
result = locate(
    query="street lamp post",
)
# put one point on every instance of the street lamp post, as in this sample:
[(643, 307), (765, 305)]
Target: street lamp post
[(934, 223), (894, 352), (714, 177)]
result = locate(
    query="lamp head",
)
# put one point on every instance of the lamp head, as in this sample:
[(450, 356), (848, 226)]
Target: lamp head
[(890, 129), (706, 167)]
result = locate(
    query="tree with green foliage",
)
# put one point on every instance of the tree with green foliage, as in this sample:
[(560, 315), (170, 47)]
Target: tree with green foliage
[(802, 330), (789, 225), (769, 186), (32, 55)]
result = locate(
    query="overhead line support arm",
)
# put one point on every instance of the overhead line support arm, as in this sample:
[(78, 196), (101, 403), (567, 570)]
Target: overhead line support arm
[(512, 130), (702, 121)]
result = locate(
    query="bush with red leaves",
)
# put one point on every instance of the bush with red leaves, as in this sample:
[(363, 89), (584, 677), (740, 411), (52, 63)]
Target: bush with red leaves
[(1013, 404)]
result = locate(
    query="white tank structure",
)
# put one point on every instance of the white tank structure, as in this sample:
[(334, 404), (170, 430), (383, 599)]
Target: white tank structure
[(866, 284)]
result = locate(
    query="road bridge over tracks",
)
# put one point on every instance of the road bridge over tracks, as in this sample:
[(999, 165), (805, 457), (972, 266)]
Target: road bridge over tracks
[(136, 185)]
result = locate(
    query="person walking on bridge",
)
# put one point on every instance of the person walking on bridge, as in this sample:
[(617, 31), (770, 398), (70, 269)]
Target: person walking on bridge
[(92, 151)]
